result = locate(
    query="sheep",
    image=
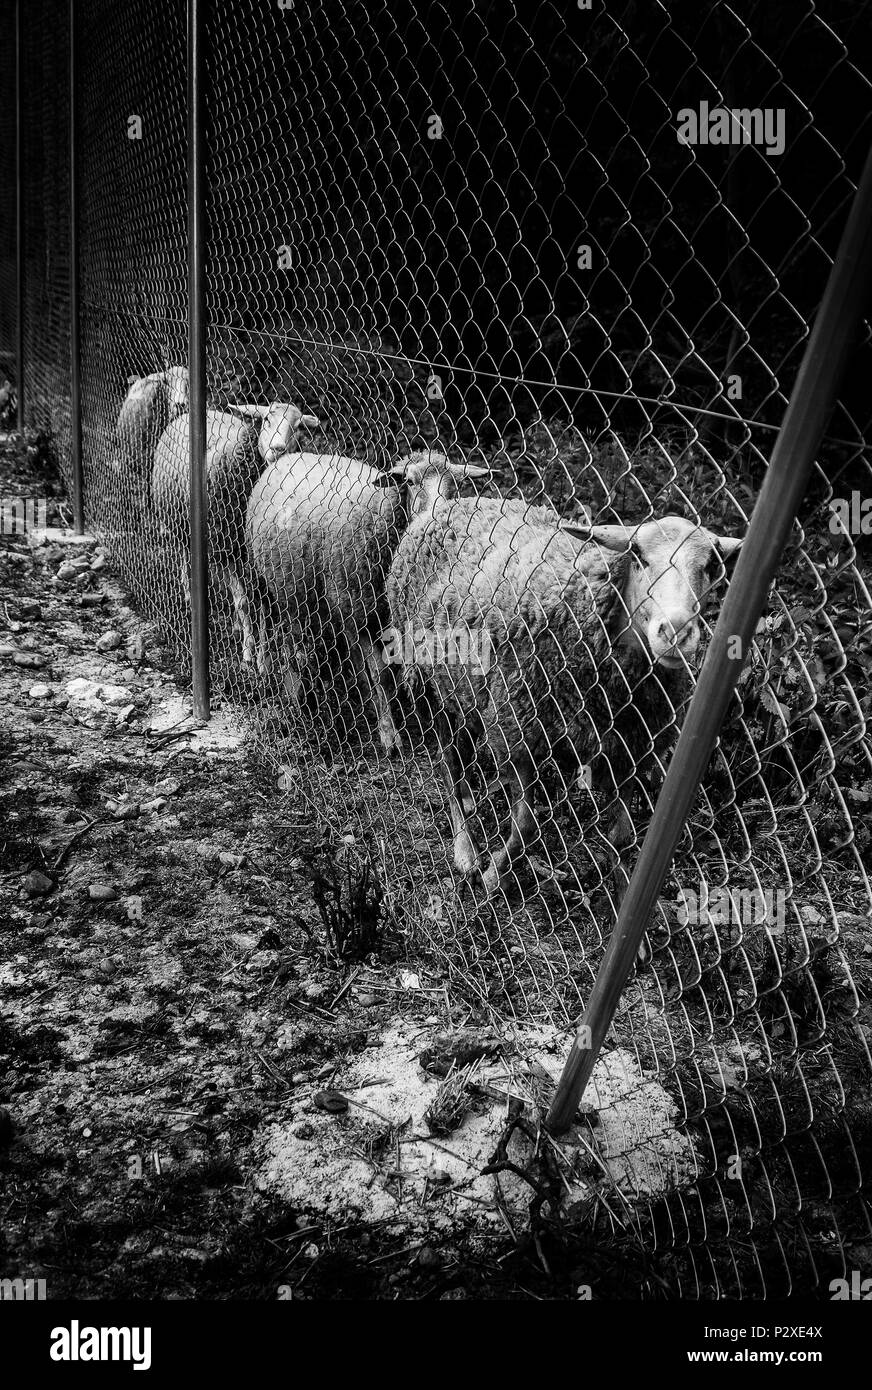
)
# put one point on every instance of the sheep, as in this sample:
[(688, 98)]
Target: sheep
[(237, 446), (149, 406), (320, 530), (584, 635)]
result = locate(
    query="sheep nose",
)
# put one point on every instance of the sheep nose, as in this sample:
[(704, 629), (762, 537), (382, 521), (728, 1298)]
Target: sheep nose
[(681, 636)]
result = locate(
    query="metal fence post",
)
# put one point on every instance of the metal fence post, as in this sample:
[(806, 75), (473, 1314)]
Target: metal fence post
[(19, 207), (784, 486), (197, 366), (75, 340)]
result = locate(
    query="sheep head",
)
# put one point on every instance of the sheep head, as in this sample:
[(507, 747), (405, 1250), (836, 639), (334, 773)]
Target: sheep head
[(176, 379), (673, 565), (279, 425), (173, 382), (428, 475)]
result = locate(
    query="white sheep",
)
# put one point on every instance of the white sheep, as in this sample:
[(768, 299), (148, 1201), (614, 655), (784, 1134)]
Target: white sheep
[(149, 406), (238, 443), (321, 530), (582, 639)]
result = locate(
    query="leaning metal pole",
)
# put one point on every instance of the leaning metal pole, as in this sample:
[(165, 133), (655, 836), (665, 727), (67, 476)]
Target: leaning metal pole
[(197, 365), (784, 486)]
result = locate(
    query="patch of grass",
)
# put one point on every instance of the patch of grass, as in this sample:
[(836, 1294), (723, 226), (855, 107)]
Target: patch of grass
[(349, 897)]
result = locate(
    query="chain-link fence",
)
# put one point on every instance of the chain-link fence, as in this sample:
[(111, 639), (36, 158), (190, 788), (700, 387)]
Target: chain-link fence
[(527, 289)]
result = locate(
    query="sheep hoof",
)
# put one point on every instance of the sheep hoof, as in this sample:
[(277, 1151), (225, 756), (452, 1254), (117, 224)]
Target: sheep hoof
[(390, 741), (465, 855), (293, 685), (492, 878)]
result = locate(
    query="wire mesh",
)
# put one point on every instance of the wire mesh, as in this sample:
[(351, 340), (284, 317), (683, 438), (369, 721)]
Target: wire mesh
[(495, 301), (134, 289), (46, 189)]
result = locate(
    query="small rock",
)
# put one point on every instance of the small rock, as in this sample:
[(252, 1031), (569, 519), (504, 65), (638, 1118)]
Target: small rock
[(231, 861), (39, 692), (92, 600), (84, 580), (96, 695), (109, 641), (98, 563), (366, 1000), (36, 885), (441, 1178), (32, 660), (428, 1258), (7, 649), (313, 990), (29, 610), (304, 1131), (66, 572), (102, 893), (452, 1294), (150, 807), (333, 1102)]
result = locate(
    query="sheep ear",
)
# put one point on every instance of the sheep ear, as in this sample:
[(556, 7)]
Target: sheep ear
[(133, 379), (727, 545), (310, 421), (610, 537), (469, 470)]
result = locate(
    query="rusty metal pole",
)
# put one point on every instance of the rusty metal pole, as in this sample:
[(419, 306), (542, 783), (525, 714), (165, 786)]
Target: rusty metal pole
[(783, 489), (19, 207), (197, 366), (75, 338)]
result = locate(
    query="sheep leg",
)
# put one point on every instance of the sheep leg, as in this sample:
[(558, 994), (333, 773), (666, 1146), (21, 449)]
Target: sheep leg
[(241, 613), (466, 857), (525, 827), (264, 655), (387, 729), (294, 660)]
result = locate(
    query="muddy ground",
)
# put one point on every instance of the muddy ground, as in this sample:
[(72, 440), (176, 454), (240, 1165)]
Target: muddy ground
[(198, 1098)]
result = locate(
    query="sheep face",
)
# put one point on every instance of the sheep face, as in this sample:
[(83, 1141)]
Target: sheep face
[(429, 476), (173, 383), (279, 424), (673, 564), (176, 379)]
